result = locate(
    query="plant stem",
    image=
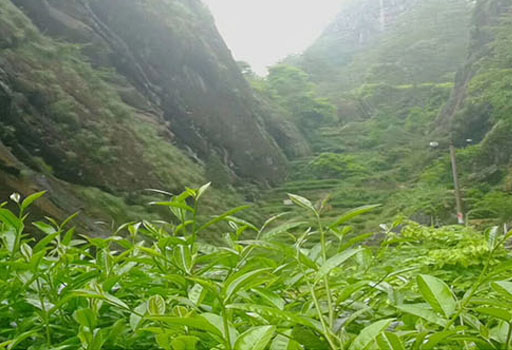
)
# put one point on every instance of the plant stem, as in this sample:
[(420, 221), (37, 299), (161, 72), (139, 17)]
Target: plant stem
[(226, 328), (45, 313), (476, 285), (326, 278), (509, 336), (194, 221), (327, 329)]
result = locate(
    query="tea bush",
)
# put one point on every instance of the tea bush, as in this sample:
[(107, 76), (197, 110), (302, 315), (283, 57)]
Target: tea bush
[(294, 283)]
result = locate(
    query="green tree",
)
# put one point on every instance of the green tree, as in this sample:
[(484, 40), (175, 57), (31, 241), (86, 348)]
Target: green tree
[(293, 90)]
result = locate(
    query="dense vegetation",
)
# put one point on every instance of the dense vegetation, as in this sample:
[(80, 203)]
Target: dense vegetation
[(154, 100), (373, 106), (294, 283)]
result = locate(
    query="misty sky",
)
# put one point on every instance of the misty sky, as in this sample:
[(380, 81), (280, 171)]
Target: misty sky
[(262, 32)]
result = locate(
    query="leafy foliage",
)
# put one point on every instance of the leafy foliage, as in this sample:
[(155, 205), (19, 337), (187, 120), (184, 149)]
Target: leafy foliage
[(393, 99), (312, 285), (292, 89)]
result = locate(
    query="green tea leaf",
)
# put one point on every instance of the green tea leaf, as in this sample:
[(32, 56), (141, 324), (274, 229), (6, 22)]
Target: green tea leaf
[(164, 340), (202, 190), (68, 219), (45, 242), (389, 341), (222, 217), (421, 311), (183, 257), (272, 312), (308, 339), (86, 318), (184, 342), (302, 202), (238, 281), (218, 322), (437, 338), (352, 214), (156, 305), (282, 342), (26, 251), (98, 339), (172, 204), (31, 199), (492, 237), (9, 237), (334, 262), (137, 315), (196, 322), (13, 343), (107, 297), (504, 288), (500, 333), (241, 223), (437, 294), (274, 299), (256, 338), (281, 229), (41, 305), (9, 219), (68, 236), (15, 197), (497, 312), (369, 334), (195, 293), (44, 227)]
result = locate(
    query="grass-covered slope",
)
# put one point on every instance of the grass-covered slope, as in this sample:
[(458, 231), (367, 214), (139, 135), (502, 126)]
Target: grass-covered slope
[(375, 154)]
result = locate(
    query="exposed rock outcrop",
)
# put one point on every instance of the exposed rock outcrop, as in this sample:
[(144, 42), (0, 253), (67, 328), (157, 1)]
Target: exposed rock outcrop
[(125, 95), (172, 53)]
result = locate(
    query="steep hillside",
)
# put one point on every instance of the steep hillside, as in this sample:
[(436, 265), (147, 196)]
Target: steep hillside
[(389, 68), (119, 96), (402, 75), (396, 42), (479, 99), (480, 109)]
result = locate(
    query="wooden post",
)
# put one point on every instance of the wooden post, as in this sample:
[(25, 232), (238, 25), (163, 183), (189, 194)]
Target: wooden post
[(458, 197)]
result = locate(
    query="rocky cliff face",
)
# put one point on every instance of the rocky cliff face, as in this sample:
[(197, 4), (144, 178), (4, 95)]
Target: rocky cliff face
[(480, 105), (171, 53), (392, 41), (360, 23), (124, 95)]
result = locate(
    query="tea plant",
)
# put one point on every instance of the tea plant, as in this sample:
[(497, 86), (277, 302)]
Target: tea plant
[(299, 283)]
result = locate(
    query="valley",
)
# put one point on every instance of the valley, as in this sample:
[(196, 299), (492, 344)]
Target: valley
[(158, 194)]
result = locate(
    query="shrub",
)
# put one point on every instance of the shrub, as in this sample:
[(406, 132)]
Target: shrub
[(333, 165), (302, 284)]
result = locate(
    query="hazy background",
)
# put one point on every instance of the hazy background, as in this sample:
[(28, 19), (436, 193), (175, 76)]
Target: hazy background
[(262, 32)]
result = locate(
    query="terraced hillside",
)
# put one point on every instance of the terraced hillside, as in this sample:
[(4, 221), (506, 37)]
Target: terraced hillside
[(376, 149)]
